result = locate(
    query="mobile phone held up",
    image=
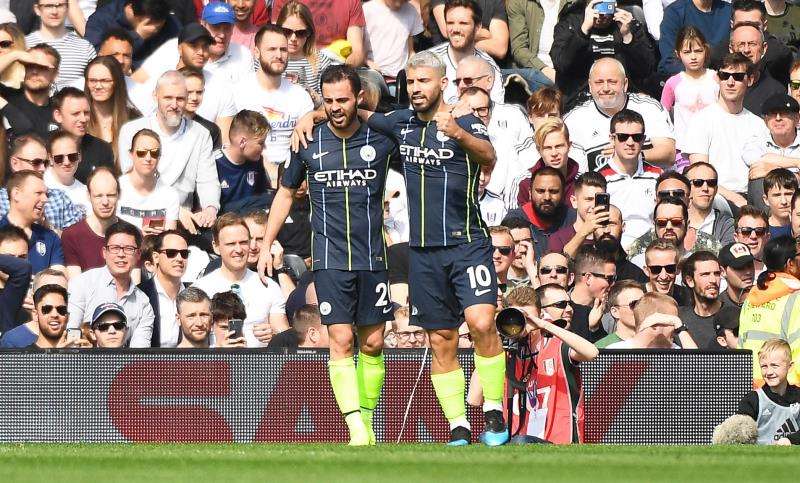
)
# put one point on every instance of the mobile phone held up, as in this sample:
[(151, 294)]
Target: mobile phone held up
[(602, 200), (606, 8), (235, 326)]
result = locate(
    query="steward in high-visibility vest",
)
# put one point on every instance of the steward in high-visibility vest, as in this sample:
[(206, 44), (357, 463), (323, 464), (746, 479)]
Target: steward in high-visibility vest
[(772, 308)]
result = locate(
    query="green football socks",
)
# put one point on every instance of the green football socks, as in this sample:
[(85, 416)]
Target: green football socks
[(345, 388), (492, 374), (449, 388), (371, 372)]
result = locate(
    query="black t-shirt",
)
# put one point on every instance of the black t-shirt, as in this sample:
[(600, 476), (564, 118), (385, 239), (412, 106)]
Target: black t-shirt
[(580, 324), (682, 295), (213, 129), (36, 119), (295, 235), (94, 153), (765, 87), (700, 328)]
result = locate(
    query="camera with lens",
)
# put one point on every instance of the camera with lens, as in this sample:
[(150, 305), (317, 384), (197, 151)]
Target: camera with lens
[(511, 324)]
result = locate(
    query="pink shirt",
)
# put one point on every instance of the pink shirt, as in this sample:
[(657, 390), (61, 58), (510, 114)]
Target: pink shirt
[(246, 37), (331, 18), (685, 96)]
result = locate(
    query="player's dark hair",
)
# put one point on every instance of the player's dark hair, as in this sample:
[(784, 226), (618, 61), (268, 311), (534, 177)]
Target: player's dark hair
[(590, 178), (590, 258), (626, 116), (477, 12), (735, 60), (268, 27), (57, 101), (689, 265), (117, 33), (755, 212), (700, 164), (340, 72), (515, 222), (12, 233), (227, 305), (159, 245), (619, 287), (548, 171), (748, 6), (126, 229), (46, 290), (674, 175), (777, 253), (49, 50), (780, 178)]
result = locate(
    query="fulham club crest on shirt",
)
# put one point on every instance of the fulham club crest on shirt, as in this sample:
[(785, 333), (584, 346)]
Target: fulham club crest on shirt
[(251, 178), (41, 248)]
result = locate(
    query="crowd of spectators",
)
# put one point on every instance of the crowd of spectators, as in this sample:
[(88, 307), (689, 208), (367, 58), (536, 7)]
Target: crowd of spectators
[(647, 163)]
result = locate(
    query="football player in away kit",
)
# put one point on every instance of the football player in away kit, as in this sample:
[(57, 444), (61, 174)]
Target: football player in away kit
[(346, 170), (451, 274)]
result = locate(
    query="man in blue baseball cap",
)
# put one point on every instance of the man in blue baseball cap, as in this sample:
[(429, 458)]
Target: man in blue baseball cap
[(226, 60), (109, 326)]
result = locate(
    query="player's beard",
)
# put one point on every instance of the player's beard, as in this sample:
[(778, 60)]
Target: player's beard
[(269, 70), (342, 122), (432, 105)]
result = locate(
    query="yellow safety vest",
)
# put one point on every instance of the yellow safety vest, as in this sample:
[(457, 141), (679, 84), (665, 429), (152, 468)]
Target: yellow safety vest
[(778, 318)]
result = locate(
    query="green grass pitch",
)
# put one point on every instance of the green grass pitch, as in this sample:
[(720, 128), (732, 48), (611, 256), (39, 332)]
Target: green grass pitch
[(195, 463)]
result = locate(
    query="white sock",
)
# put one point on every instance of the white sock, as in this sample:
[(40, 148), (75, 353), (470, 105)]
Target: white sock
[(461, 421), (492, 406)]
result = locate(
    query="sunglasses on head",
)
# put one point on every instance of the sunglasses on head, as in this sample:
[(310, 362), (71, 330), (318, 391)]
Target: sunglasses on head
[(6, 44), (48, 309), (675, 222), (699, 182), (666, 193), (794, 84), (154, 153), (61, 158), (623, 136), (561, 304), (505, 251), (737, 76), (560, 269), (119, 325), (747, 231), (656, 269), (174, 252), (301, 33)]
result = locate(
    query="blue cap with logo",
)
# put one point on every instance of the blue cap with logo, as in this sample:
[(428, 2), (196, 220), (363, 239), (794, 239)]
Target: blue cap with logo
[(217, 13), (105, 308)]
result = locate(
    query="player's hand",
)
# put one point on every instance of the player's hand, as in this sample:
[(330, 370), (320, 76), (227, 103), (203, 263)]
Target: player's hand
[(231, 341), (205, 217), (277, 255), (265, 264), (186, 221), (263, 332), (761, 169), (303, 132), (446, 123), (596, 314)]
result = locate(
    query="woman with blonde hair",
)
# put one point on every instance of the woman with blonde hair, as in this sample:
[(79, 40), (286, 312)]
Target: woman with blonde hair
[(12, 39), (306, 63), (108, 99)]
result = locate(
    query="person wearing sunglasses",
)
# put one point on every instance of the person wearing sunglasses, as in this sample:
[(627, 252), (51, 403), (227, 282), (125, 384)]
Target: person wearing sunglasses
[(523, 267), (752, 229), (739, 271), (109, 327), (503, 256), (170, 257), (65, 156), (772, 308), (703, 215), (49, 325), (661, 267), (145, 201), (595, 272), (702, 273), (631, 180), (554, 268), (622, 298), (718, 133), (794, 80), (113, 282), (558, 352)]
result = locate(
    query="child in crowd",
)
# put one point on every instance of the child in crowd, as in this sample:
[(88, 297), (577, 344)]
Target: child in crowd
[(689, 91), (775, 406), (779, 186)]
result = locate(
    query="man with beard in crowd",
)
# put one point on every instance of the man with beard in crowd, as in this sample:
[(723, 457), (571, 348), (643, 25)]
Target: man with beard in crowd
[(702, 273), (545, 211), (607, 239), (738, 269), (671, 215)]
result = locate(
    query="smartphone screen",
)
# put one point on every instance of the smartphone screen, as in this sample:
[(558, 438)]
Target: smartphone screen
[(235, 326), (73, 335)]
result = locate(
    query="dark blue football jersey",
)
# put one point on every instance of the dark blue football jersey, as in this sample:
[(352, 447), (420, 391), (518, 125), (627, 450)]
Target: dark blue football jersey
[(346, 181), (441, 179)]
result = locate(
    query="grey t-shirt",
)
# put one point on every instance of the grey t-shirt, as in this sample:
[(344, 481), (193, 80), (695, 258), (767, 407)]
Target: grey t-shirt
[(700, 328)]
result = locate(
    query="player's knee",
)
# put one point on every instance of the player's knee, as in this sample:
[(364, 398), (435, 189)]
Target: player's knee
[(441, 339), (341, 337), (372, 346)]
